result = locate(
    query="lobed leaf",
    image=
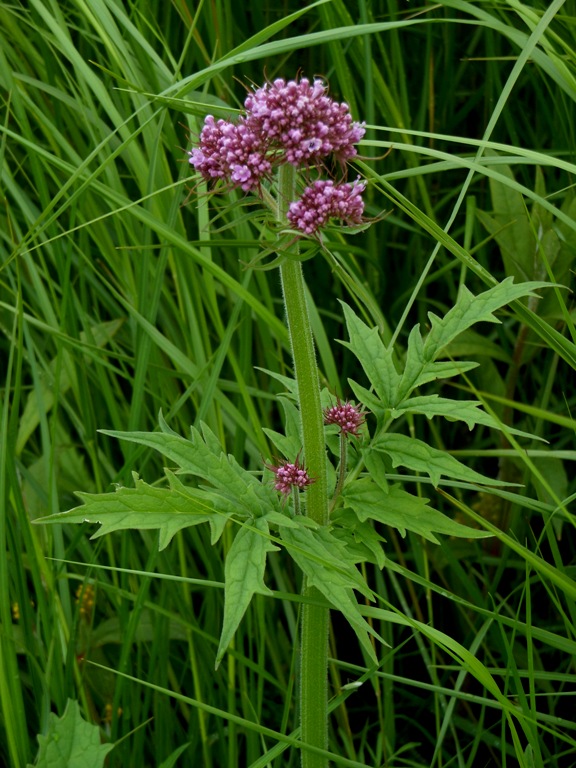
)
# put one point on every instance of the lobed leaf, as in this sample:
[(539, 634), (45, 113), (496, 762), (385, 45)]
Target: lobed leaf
[(70, 741), (203, 457), (470, 309), (420, 365), (468, 411), (329, 567), (403, 511), (146, 507), (421, 457), (244, 576), (375, 358), (421, 354)]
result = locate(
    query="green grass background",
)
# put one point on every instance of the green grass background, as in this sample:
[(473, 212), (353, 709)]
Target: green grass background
[(124, 291)]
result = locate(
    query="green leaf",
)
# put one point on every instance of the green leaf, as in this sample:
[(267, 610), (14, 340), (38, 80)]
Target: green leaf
[(403, 511), (375, 358), (41, 402), (470, 309), (244, 575), (511, 227), (420, 365), (290, 443), (71, 742), (362, 541), (420, 457), (468, 411), (203, 457), (329, 566), (146, 507)]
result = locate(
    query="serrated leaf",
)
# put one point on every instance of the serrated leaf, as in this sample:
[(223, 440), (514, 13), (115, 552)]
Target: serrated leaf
[(375, 359), (146, 507), (403, 511), (471, 342), (468, 411), (470, 309), (244, 576), (280, 519), (71, 742), (203, 457), (431, 371), (367, 398), (421, 457), (421, 367), (329, 568), (360, 537), (288, 444), (376, 468)]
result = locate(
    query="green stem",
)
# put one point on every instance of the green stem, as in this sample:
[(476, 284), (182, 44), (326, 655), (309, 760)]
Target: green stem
[(341, 468), (315, 619)]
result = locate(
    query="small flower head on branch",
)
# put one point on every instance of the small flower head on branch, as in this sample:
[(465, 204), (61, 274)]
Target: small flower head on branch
[(346, 416), (288, 476)]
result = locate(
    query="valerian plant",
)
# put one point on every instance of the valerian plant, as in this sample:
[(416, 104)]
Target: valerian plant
[(324, 508)]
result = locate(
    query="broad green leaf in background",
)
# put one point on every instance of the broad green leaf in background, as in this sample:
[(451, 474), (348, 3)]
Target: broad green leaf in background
[(510, 226), (529, 241), (71, 742), (244, 575)]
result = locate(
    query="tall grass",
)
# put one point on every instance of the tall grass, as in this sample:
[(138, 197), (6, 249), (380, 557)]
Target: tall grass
[(125, 290)]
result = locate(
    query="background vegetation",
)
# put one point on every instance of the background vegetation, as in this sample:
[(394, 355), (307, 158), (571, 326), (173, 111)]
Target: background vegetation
[(125, 291)]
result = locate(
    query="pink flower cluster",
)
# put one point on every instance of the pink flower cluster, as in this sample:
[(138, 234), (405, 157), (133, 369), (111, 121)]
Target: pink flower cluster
[(294, 122), (302, 121), (231, 151), (347, 416), (326, 200), (288, 476)]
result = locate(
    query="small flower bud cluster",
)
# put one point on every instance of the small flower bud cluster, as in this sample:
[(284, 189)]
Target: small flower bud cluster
[(288, 476), (326, 200), (292, 122), (347, 416)]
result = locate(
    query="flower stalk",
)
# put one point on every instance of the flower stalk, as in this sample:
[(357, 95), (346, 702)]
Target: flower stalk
[(315, 618)]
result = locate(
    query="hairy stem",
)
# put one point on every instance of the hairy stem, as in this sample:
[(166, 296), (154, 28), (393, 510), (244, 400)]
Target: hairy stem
[(315, 619)]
